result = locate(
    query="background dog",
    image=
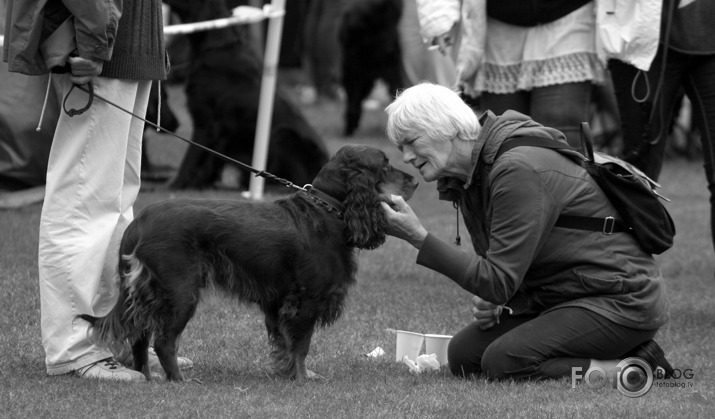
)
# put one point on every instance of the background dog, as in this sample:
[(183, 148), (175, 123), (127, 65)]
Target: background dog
[(223, 82), (294, 258)]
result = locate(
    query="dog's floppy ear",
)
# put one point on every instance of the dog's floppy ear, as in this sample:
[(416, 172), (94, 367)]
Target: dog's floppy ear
[(364, 220)]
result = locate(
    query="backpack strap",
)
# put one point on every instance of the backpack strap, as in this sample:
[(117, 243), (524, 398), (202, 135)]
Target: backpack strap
[(532, 141), (607, 225)]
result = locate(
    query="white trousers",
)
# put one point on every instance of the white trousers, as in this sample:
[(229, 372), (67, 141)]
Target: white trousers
[(93, 179)]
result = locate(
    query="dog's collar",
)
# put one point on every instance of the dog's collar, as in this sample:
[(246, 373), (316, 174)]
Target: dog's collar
[(323, 199)]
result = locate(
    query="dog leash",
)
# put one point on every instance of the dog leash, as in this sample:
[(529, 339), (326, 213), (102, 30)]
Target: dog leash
[(92, 95), (315, 195)]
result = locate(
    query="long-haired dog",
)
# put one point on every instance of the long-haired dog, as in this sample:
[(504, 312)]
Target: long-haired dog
[(293, 257)]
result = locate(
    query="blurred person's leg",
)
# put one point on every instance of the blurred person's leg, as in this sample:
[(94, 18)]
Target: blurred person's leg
[(500, 103), (564, 107), (647, 106), (322, 50), (699, 85), (630, 86), (666, 92)]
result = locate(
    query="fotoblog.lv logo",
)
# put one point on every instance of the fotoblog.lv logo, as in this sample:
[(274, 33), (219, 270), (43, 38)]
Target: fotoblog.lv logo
[(633, 377)]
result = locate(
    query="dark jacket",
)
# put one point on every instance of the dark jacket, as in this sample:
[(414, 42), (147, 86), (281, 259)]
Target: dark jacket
[(127, 34), (520, 259)]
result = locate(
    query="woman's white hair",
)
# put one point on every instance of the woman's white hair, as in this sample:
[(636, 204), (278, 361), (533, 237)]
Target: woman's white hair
[(432, 111)]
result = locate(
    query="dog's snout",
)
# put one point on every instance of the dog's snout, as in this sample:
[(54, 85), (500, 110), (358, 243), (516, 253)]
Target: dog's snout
[(414, 182)]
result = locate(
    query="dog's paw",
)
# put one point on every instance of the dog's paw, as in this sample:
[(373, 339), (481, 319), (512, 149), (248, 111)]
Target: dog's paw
[(310, 375)]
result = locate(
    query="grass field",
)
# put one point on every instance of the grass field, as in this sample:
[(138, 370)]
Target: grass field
[(229, 348)]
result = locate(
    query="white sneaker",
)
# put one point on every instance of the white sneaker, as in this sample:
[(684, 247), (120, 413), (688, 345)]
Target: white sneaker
[(109, 369)]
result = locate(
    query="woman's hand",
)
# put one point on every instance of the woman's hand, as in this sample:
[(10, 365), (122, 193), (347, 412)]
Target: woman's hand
[(465, 84), (84, 70), (485, 313), (402, 222), (445, 41)]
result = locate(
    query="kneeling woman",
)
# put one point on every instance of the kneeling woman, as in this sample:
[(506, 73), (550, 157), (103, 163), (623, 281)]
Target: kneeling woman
[(576, 298)]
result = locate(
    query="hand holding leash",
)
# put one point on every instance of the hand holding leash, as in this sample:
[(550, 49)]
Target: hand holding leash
[(485, 313), (84, 70)]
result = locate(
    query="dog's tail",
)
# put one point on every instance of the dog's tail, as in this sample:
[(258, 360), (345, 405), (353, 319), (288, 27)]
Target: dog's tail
[(130, 318)]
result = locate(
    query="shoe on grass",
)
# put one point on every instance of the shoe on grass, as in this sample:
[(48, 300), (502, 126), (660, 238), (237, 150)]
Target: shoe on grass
[(109, 369), (652, 353), (155, 366)]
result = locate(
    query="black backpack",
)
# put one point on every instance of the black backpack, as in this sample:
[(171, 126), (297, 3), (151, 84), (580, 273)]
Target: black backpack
[(629, 190)]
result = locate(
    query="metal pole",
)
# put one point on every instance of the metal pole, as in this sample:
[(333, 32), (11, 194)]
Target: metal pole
[(265, 104)]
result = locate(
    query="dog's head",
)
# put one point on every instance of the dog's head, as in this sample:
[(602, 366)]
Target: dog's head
[(360, 177)]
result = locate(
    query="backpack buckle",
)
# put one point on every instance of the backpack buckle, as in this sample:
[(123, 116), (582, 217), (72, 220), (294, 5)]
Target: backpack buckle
[(609, 223)]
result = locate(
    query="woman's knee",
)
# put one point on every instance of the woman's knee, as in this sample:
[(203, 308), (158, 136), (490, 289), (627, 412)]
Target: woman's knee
[(507, 357), (496, 363), (463, 355)]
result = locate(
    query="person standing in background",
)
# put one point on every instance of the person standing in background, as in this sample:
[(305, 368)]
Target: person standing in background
[(537, 58), (115, 48), (684, 62)]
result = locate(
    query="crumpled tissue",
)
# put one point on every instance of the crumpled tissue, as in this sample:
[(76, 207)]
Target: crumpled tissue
[(423, 363), (376, 353)]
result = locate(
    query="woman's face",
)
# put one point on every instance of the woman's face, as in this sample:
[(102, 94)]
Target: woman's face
[(430, 157)]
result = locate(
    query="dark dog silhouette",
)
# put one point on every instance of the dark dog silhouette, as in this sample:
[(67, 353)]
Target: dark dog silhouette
[(223, 82)]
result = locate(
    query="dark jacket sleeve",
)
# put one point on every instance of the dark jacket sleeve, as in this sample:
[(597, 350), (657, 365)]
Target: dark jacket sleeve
[(523, 214)]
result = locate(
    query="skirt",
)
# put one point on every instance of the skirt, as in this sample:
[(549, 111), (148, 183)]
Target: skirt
[(523, 58)]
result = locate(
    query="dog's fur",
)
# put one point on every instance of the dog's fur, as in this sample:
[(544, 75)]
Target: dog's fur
[(292, 257), (223, 82), (370, 51)]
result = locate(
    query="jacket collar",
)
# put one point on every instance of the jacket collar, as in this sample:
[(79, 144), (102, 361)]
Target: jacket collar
[(496, 129)]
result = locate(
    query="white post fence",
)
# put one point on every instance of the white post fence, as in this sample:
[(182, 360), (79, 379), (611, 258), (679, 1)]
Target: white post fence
[(265, 103)]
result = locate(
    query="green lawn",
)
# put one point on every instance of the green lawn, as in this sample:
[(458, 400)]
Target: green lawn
[(229, 348)]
